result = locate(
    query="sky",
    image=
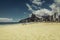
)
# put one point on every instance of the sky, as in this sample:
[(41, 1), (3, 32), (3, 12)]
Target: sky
[(15, 10)]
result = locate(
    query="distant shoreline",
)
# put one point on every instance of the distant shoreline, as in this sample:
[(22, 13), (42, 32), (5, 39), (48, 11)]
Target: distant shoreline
[(2, 23)]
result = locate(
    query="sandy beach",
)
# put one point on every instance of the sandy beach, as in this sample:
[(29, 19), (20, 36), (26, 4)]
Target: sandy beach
[(30, 31)]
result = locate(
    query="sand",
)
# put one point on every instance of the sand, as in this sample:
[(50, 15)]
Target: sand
[(30, 31)]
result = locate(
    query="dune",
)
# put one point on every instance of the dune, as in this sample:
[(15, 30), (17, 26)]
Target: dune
[(30, 31)]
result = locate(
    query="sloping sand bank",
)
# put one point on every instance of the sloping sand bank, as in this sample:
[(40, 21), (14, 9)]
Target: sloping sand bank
[(33, 31)]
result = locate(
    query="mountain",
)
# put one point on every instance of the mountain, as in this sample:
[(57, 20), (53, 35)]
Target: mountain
[(44, 18), (33, 18)]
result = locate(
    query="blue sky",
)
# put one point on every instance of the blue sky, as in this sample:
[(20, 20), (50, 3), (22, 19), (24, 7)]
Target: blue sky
[(17, 9)]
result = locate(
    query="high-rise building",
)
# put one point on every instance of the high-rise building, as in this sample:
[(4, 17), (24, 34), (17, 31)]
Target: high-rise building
[(55, 17)]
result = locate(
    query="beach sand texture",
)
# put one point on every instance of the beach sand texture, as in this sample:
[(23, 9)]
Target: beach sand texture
[(30, 31)]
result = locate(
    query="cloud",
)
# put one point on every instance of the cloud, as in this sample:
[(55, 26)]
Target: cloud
[(57, 1), (29, 7), (34, 6), (30, 15), (6, 20), (37, 2), (58, 5), (41, 12), (55, 7)]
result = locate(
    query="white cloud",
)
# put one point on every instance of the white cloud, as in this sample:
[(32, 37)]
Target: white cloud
[(41, 12), (29, 7), (37, 2), (57, 1), (58, 5), (35, 6), (6, 20), (30, 15), (55, 8)]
